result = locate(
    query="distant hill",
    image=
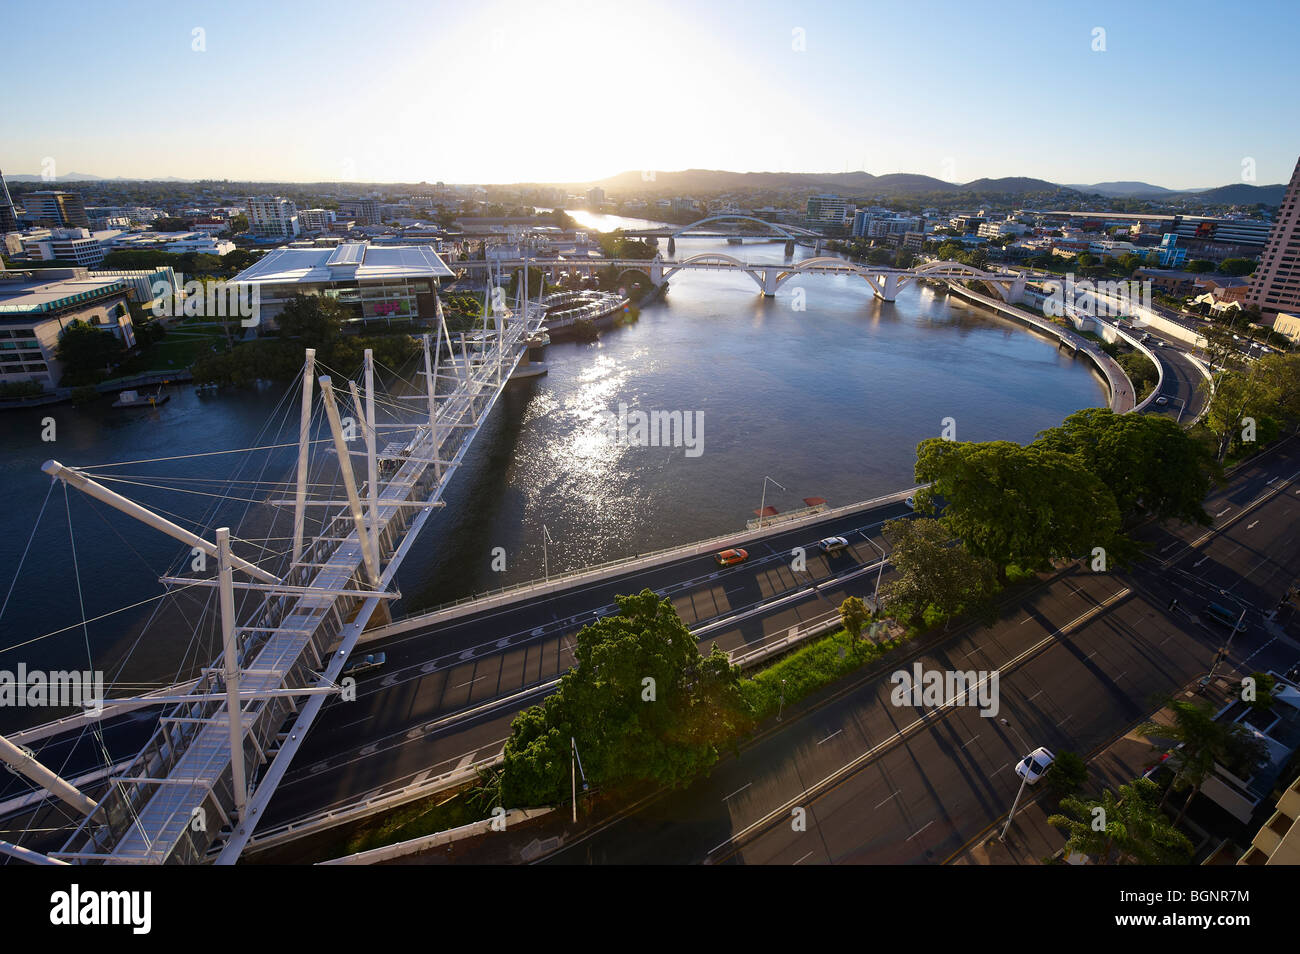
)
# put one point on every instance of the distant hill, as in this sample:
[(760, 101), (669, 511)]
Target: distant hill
[(1242, 194), (1124, 190)]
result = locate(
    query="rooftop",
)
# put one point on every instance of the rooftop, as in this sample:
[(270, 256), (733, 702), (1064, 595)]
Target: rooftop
[(351, 261), (35, 296)]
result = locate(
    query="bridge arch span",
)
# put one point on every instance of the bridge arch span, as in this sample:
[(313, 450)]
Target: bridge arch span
[(785, 231)]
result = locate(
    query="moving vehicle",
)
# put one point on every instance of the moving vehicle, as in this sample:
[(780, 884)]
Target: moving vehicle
[(731, 557), (1162, 401), (365, 664), (911, 503), (832, 544), (1221, 614), (1035, 765)]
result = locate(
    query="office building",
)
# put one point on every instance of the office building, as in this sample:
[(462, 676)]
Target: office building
[(828, 211), (8, 214), (1276, 286), (595, 197), (271, 217), (36, 308), (56, 209), (362, 211)]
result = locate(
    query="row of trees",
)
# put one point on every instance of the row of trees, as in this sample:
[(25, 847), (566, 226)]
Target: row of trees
[(1075, 489), (307, 321), (1248, 406)]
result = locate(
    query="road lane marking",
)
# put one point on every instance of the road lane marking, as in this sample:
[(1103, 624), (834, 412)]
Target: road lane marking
[(901, 735), (804, 858), (1035, 696), (739, 790), (919, 830), (964, 744), (1222, 512), (891, 797), (471, 682), (1199, 562), (831, 736), (1251, 526)]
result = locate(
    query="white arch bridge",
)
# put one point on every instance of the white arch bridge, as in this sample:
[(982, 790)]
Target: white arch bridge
[(774, 229), (885, 283)]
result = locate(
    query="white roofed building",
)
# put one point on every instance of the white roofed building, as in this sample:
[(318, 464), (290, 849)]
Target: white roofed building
[(378, 282)]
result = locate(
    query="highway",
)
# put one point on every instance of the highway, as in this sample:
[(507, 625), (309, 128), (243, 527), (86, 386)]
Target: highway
[(1079, 661)]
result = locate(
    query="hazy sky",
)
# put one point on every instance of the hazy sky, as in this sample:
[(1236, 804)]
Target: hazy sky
[(1182, 95)]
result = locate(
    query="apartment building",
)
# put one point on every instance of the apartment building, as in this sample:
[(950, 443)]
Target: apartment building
[(270, 217), (1276, 286)]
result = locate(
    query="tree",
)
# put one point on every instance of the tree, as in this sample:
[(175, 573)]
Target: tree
[(1236, 396), (1237, 266), (313, 320), (1202, 742), (1152, 466), (853, 615), (1067, 773), (1133, 829), (85, 352), (642, 702), (1086, 259), (1199, 265), (1017, 505), (933, 569)]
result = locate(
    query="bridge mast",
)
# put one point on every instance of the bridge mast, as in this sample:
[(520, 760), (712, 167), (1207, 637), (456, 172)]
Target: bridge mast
[(304, 446)]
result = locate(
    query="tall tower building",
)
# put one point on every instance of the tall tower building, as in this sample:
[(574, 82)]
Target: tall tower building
[(57, 208), (1276, 285), (8, 217)]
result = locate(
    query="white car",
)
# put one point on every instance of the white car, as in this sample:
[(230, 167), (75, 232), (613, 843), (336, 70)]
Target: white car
[(911, 503), (832, 544), (1035, 765), (1162, 401)]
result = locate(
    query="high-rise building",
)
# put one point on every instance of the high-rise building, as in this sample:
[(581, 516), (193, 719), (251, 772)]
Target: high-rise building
[(57, 209), (270, 216), (829, 211), (8, 216), (595, 197), (1276, 285), (362, 211)]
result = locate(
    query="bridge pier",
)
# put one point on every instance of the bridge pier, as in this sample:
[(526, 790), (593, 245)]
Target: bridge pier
[(789, 248), (892, 285), (672, 246), (769, 282)]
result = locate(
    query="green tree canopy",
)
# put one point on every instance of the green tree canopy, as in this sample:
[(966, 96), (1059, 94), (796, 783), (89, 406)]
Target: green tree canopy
[(642, 702), (313, 320), (1130, 829), (86, 352), (1017, 505), (933, 569), (1151, 465)]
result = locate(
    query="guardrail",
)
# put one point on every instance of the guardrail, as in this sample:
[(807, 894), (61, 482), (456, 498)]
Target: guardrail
[(438, 839), (371, 806), (521, 591)]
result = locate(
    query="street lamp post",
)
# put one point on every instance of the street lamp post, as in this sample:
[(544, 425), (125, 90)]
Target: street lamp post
[(875, 600), (781, 704), (546, 563), (575, 766), (1223, 654), (762, 507), (1023, 781)]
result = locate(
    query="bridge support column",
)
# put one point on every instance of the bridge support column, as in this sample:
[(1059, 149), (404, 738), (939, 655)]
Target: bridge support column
[(672, 246), (657, 275), (891, 287), (769, 282), (789, 248), (1016, 294)]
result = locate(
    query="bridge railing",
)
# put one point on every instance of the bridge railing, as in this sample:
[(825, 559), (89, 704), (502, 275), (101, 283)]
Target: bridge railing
[(518, 591)]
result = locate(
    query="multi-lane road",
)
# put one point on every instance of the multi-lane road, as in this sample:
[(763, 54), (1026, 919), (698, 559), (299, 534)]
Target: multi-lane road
[(1079, 661)]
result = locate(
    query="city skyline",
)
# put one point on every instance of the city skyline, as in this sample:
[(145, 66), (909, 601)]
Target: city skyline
[(579, 93)]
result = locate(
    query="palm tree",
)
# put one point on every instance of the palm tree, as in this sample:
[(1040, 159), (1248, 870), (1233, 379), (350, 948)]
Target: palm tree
[(1133, 829), (1202, 743)]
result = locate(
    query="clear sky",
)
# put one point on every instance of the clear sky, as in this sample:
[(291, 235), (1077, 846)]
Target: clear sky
[(1182, 94)]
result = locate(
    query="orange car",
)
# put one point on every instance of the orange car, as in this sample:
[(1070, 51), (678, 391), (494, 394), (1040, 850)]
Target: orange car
[(731, 557)]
